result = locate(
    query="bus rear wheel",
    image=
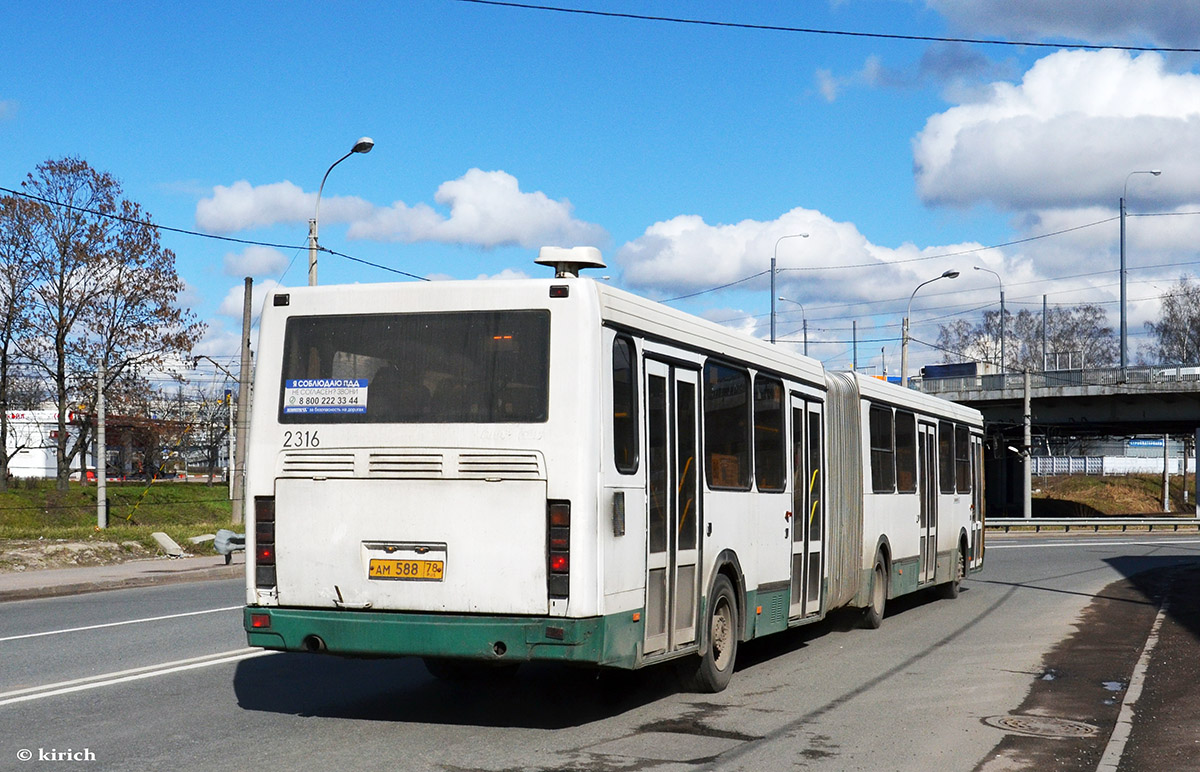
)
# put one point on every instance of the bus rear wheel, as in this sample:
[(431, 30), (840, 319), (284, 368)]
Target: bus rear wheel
[(950, 589), (715, 667), (873, 614)]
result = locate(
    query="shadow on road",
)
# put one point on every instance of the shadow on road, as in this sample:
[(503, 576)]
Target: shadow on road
[(538, 696), (1085, 677)]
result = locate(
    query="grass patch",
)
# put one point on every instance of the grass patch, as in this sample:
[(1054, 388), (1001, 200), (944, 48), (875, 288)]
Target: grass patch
[(33, 509), (1092, 496)]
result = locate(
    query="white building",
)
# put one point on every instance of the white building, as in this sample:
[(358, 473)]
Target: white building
[(32, 435)]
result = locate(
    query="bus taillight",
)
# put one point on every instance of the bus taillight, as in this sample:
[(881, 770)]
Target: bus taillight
[(558, 516), (264, 541)]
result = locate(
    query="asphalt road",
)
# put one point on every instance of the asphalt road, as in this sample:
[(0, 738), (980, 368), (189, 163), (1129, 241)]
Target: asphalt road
[(159, 678)]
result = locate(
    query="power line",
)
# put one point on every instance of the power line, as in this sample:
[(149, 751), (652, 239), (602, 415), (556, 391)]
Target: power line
[(201, 234), (817, 31), (879, 264), (973, 250), (714, 289)]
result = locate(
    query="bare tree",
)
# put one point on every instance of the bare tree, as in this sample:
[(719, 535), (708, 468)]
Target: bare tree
[(1079, 329), (1176, 335), (15, 284), (104, 290)]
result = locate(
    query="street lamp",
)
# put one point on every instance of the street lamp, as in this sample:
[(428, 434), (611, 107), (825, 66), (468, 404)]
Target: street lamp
[(363, 145), (803, 316), (951, 274), (1003, 369), (774, 257), (196, 361), (1124, 327)]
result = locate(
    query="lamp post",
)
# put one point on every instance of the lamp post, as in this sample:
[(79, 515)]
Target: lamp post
[(803, 316), (363, 145), (1003, 368), (951, 274), (774, 258), (1124, 326)]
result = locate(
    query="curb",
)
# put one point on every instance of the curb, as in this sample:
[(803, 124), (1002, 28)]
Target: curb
[(147, 579)]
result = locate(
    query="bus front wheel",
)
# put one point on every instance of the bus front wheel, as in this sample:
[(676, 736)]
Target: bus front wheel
[(715, 667)]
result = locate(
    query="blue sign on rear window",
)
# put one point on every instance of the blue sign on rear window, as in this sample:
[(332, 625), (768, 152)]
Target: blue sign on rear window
[(308, 396)]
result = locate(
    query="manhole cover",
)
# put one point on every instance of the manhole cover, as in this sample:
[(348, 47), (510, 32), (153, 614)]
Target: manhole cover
[(1042, 726)]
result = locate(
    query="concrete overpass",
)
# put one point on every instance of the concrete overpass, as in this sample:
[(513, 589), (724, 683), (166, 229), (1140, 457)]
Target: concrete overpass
[(1068, 405)]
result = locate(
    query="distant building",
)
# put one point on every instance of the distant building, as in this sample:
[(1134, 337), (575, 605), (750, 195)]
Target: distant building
[(32, 438)]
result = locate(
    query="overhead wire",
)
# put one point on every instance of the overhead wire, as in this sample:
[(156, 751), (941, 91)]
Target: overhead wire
[(819, 31), (202, 234)]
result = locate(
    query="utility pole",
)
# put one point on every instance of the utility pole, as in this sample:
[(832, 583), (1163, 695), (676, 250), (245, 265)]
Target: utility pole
[(1044, 351), (1027, 452), (232, 449), (1166, 473), (101, 452), (243, 415)]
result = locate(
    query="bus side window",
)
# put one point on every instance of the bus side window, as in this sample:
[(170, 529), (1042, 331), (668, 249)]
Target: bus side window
[(962, 457), (906, 451), (727, 426), (883, 450), (625, 424), (946, 456), (769, 454)]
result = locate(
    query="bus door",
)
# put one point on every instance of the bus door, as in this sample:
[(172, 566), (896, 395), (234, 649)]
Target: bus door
[(673, 506), (976, 547), (808, 507), (927, 446)]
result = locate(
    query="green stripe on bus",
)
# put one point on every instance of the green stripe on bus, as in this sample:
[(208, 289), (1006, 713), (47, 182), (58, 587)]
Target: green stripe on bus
[(612, 640)]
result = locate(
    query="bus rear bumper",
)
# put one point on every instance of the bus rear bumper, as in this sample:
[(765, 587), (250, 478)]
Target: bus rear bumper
[(613, 641)]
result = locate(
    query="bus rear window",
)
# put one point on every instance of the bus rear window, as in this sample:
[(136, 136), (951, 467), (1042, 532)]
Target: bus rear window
[(460, 367)]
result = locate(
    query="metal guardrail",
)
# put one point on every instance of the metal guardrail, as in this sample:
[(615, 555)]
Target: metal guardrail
[(1094, 523)]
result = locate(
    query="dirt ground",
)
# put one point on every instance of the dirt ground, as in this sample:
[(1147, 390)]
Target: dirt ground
[(34, 554), (1091, 496)]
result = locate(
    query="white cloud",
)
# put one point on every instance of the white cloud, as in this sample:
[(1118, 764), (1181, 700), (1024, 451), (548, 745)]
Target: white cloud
[(256, 261), (506, 274), (1066, 136), (242, 205), (1171, 22), (8, 109), (234, 299), (486, 209), (827, 84), (686, 254), (872, 74)]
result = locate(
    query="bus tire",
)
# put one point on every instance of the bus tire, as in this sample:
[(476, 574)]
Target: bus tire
[(950, 589), (715, 667), (877, 600)]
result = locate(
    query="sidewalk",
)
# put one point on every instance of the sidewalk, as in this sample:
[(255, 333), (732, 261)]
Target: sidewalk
[(45, 583)]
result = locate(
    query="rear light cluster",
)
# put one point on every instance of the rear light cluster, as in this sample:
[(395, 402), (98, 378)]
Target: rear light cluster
[(264, 541), (558, 516)]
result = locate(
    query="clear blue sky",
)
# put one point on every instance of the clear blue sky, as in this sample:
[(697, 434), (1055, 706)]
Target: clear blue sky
[(683, 151)]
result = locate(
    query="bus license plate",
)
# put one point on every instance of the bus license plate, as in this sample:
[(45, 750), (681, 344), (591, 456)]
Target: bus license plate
[(415, 570)]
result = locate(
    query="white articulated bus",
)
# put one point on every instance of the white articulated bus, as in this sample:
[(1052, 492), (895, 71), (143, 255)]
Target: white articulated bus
[(494, 472)]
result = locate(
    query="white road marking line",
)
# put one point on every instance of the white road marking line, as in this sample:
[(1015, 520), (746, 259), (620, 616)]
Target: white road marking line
[(118, 624), (1120, 735), (123, 676)]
